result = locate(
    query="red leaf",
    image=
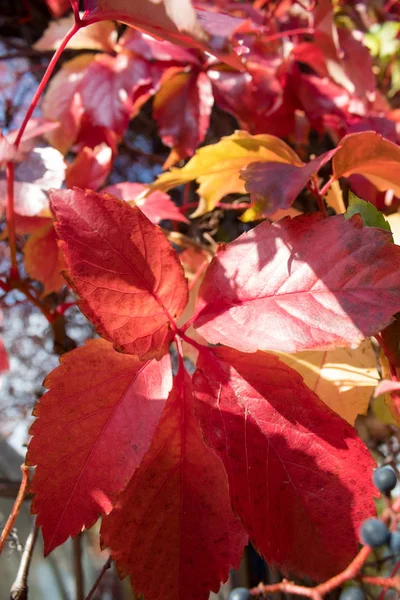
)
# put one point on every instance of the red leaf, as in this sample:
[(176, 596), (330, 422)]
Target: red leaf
[(156, 50), (298, 473), (275, 186), (94, 426), (90, 168), (43, 259), (174, 518), (188, 95), (157, 206), (300, 284), (173, 20), (129, 279)]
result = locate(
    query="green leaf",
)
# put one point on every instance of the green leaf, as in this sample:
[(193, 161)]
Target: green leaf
[(370, 215)]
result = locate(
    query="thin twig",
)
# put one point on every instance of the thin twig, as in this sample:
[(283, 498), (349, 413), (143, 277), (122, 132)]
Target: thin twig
[(19, 589), (106, 566), (16, 508), (77, 551)]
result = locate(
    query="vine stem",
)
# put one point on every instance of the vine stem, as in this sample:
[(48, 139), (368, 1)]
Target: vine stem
[(50, 68), (106, 566), (10, 218), (17, 506), (392, 574), (320, 590)]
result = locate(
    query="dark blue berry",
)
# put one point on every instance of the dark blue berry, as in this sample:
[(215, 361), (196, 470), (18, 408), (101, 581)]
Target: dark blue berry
[(374, 533), (352, 593), (385, 479), (240, 594), (394, 543)]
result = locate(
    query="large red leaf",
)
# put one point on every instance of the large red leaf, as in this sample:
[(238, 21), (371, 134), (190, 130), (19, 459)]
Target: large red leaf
[(301, 284), (299, 476), (188, 95), (94, 426), (174, 518), (129, 279)]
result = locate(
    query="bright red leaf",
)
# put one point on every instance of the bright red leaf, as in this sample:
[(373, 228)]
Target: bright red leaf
[(174, 517), (156, 205), (94, 426), (190, 96), (298, 473), (301, 284), (129, 279)]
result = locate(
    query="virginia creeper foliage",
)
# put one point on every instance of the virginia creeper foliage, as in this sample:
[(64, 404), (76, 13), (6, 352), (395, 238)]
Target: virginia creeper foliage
[(186, 465)]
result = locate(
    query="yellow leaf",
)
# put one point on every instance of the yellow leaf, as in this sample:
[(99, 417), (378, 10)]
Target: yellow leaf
[(334, 198), (217, 167), (394, 222), (343, 378)]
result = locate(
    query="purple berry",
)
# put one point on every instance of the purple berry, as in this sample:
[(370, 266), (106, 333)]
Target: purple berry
[(374, 533)]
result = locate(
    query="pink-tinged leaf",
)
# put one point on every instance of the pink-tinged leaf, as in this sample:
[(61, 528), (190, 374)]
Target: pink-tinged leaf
[(301, 284), (93, 428), (58, 7), (41, 169), (128, 277), (152, 49), (369, 154), (35, 128), (386, 386), (99, 87), (62, 101), (239, 93), (188, 95), (90, 168), (43, 259), (156, 205), (173, 20), (174, 517), (99, 36), (298, 474), (8, 152), (275, 186)]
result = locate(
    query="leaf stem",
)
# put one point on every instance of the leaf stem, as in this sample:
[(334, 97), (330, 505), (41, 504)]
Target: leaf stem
[(17, 506), (106, 566), (326, 187)]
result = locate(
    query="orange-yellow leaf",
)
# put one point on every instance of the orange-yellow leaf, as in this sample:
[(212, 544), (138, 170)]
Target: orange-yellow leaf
[(217, 167), (369, 154), (343, 378)]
